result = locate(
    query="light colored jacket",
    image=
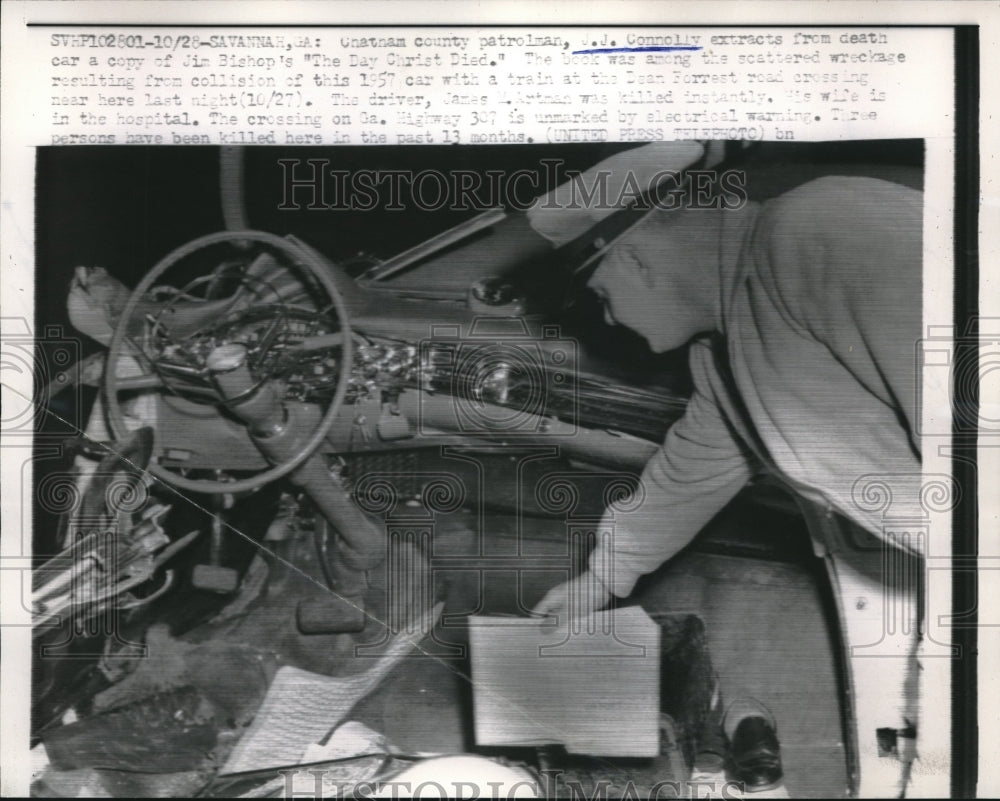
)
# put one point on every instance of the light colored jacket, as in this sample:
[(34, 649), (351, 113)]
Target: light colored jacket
[(812, 373)]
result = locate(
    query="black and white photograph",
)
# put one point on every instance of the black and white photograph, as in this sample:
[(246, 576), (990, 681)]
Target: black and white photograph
[(379, 420), (610, 463)]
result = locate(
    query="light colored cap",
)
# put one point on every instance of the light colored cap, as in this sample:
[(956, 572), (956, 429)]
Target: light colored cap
[(573, 207)]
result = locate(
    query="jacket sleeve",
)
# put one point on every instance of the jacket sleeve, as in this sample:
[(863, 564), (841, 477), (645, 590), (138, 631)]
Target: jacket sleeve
[(700, 467)]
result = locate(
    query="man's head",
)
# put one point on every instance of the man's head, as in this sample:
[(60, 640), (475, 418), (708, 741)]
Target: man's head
[(662, 278)]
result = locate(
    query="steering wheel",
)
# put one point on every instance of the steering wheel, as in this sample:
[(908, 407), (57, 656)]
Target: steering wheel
[(298, 256)]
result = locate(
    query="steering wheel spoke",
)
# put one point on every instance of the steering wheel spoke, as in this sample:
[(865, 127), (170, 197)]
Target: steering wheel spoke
[(246, 301)]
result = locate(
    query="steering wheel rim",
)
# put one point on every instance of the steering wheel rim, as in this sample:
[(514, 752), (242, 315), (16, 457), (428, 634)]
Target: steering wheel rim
[(302, 257)]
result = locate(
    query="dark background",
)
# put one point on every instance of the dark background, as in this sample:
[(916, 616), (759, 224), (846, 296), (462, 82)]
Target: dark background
[(124, 208)]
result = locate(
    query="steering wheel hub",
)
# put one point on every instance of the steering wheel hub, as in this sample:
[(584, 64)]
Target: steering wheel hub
[(237, 352)]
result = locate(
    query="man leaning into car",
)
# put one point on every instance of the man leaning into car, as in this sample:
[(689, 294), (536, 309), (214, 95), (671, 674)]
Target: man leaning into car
[(801, 314)]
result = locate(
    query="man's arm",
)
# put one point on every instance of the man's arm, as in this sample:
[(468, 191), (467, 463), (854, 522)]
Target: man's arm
[(699, 469)]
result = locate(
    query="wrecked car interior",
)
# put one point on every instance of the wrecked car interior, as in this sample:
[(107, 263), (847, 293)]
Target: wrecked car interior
[(298, 448)]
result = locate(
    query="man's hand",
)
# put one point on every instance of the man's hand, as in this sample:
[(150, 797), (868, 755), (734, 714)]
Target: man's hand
[(574, 600)]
